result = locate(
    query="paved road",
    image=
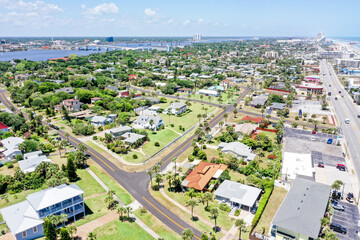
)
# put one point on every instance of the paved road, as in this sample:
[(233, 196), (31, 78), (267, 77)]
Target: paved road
[(137, 183), (345, 108)]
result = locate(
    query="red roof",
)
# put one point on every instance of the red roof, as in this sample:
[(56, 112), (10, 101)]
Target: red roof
[(63, 58), (257, 120), (3, 126)]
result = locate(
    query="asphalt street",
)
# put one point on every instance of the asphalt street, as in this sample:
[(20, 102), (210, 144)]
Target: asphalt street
[(137, 183), (345, 108)]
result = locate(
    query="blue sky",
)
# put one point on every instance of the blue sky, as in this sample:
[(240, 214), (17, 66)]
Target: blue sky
[(179, 18)]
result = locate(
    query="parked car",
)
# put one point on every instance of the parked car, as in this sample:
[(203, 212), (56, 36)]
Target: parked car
[(321, 164), (337, 206), (341, 167), (339, 91), (313, 132), (338, 228), (358, 116), (329, 141)]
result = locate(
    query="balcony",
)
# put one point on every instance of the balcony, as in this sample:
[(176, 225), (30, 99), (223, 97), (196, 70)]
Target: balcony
[(56, 209), (44, 213), (67, 203), (77, 200)]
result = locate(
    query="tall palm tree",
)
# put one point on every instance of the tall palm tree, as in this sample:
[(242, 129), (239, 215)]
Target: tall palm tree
[(150, 173), (128, 211), (208, 197), (214, 214), (192, 203), (121, 211), (240, 223), (187, 234), (174, 161)]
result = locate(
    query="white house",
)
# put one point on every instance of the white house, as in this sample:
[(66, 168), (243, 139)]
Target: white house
[(149, 122), (10, 148), (208, 92), (177, 108), (237, 149), (31, 161), (100, 121)]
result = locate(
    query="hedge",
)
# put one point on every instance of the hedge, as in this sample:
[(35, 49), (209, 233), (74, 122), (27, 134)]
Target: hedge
[(262, 205)]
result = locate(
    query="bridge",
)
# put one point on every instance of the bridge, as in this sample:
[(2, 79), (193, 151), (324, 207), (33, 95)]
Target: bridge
[(95, 47)]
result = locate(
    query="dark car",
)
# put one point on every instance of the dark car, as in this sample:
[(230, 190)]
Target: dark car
[(329, 141), (337, 206), (321, 164), (339, 91), (338, 228), (341, 167), (358, 116), (56, 127)]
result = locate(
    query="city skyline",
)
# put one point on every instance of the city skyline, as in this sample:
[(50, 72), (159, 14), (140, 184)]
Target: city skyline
[(40, 18)]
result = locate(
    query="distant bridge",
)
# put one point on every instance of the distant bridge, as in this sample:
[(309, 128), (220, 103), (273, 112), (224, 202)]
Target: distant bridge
[(93, 47)]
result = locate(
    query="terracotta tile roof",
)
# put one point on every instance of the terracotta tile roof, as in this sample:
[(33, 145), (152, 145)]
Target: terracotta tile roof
[(202, 174), (248, 118)]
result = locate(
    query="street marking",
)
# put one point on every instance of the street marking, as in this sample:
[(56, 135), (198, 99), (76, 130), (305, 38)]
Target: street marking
[(167, 216)]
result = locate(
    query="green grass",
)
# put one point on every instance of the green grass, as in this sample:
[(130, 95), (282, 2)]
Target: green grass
[(95, 208), (88, 183), (16, 198), (223, 220), (164, 137), (129, 157), (120, 192), (203, 227), (121, 230), (156, 225)]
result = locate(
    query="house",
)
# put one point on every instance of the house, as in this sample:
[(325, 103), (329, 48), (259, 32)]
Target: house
[(252, 119), (3, 127), (100, 121), (184, 90), (259, 101), (86, 114), (130, 138), (153, 110), (295, 164), (72, 105), (31, 161), (124, 93), (176, 108), (117, 132), (95, 99), (208, 92), (69, 90), (10, 148), (277, 106), (113, 88), (238, 195), (300, 214), (237, 149), (25, 219), (148, 122), (202, 174), (247, 128)]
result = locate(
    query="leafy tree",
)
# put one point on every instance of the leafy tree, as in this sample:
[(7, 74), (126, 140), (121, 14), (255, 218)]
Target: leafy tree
[(64, 234), (49, 230), (71, 170), (187, 234)]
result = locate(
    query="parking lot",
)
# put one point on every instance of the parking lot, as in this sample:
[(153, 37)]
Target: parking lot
[(348, 219), (307, 135), (308, 106)]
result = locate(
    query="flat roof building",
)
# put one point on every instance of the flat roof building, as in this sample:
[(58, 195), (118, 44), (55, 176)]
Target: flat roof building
[(296, 164)]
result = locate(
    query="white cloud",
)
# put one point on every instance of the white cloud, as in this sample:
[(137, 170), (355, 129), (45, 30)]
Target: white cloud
[(186, 22), (101, 9), (38, 5), (149, 12), (200, 20)]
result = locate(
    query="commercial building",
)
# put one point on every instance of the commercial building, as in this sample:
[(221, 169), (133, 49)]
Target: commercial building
[(348, 63), (272, 54), (238, 195), (299, 216), (197, 37), (25, 219), (295, 164)]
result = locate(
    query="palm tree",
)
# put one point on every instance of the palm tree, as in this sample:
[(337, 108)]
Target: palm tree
[(72, 230), (67, 136), (235, 112), (121, 211), (128, 211), (225, 116), (82, 147), (240, 223), (174, 161), (91, 236), (208, 197), (214, 214), (199, 117), (324, 119), (221, 124), (150, 173), (191, 193), (169, 178), (187, 234), (192, 203), (151, 122), (201, 97)]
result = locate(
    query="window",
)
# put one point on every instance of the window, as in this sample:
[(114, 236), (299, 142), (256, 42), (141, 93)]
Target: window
[(35, 229), (24, 234)]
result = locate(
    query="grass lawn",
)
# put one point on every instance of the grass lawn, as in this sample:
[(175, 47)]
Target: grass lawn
[(129, 157), (223, 220), (95, 207), (4, 170), (156, 225), (203, 227), (120, 192), (121, 230), (271, 208), (88, 183), (163, 136), (16, 198), (188, 120), (236, 176)]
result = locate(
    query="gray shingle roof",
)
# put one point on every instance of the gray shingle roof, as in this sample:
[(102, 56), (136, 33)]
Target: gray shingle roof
[(51, 196), (303, 207), (238, 148), (237, 192)]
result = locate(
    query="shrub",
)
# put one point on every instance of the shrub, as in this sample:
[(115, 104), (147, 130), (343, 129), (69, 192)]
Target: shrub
[(95, 137), (204, 147), (191, 158), (237, 212), (172, 125), (100, 128), (135, 156), (10, 165), (262, 205), (224, 207), (19, 157), (156, 187), (118, 150), (157, 144), (143, 210)]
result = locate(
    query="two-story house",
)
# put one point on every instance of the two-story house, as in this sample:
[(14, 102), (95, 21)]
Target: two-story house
[(72, 105), (25, 219), (148, 122), (177, 108)]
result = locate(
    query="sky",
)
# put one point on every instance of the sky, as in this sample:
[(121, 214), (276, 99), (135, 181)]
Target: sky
[(38, 18)]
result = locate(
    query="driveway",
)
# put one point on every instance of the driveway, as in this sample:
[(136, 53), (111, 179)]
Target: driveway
[(348, 219)]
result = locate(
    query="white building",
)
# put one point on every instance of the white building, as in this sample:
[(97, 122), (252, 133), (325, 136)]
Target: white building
[(197, 37), (10, 148), (354, 83), (272, 54), (296, 164), (31, 161), (208, 92)]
